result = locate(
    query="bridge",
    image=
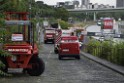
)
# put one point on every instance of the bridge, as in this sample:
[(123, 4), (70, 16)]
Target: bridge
[(95, 11)]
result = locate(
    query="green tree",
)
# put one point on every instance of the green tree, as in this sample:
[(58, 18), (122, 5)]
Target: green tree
[(63, 24), (3, 8), (61, 13), (8, 6)]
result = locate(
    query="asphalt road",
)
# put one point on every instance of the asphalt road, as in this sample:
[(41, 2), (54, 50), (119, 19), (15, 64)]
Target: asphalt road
[(67, 71)]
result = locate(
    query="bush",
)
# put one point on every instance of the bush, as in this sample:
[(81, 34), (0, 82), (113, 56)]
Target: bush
[(100, 49), (63, 24), (3, 53), (107, 50), (92, 46), (118, 53)]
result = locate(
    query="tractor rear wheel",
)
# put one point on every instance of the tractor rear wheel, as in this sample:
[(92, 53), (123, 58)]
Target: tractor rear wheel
[(38, 67)]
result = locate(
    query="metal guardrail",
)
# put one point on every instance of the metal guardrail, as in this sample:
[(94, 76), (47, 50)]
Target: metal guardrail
[(121, 9), (115, 55), (99, 34)]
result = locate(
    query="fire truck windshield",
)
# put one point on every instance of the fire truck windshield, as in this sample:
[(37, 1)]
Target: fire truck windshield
[(50, 31)]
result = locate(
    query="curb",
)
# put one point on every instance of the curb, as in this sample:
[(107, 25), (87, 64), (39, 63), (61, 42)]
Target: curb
[(114, 67)]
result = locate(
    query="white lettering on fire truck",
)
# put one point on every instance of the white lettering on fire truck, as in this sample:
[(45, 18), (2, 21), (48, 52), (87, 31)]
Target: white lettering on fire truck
[(108, 23)]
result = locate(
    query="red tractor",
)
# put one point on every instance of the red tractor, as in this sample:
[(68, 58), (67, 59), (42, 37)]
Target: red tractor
[(22, 45)]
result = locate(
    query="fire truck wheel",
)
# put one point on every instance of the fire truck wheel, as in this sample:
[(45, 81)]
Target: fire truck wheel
[(38, 67), (55, 51), (78, 57), (59, 56), (45, 42), (53, 42), (5, 67)]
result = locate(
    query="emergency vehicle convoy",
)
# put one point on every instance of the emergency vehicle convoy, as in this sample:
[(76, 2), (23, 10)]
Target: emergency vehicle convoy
[(66, 42), (21, 45)]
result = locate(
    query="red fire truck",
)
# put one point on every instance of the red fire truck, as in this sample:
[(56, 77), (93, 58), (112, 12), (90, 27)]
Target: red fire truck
[(58, 38), (107, 23), (58, 35), (69, 47), (49, 35)]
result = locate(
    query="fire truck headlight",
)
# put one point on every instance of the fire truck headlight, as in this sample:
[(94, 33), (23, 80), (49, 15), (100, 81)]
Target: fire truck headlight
[(62, 41), (80, 44), (76, 41), (13, 58)]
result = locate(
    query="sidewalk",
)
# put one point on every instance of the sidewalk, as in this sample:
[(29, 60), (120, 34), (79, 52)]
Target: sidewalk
[(114, 67)]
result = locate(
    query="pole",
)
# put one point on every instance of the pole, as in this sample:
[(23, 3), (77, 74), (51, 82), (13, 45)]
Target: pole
[(94, 16)]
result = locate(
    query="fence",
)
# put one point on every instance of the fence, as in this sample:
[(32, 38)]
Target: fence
[(112, 54), (121, 27)]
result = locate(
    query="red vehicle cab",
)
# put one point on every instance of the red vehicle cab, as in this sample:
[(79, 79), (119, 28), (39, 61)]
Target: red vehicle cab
[(49, 35), (69, 47), (20, 43)]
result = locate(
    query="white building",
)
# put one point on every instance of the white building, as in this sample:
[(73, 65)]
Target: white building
[(121, 27), (90, 5), (96, 6), (85, 3)]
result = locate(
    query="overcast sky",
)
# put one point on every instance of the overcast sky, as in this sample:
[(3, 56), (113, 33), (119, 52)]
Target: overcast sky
[(53, 2)]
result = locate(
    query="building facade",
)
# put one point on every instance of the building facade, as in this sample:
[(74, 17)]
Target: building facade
[(119, 3), (85, 3)]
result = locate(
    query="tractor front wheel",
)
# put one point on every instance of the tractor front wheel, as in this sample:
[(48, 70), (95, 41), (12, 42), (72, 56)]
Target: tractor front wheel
[(38, 67)]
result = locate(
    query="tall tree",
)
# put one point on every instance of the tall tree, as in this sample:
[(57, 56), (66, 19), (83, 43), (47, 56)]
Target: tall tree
[(62, 13)]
